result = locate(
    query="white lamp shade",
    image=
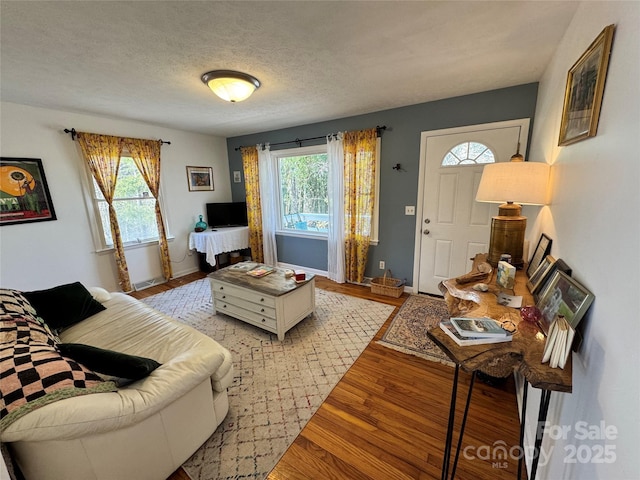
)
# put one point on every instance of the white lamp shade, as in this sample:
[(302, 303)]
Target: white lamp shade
[(525, 183), (231, 86)]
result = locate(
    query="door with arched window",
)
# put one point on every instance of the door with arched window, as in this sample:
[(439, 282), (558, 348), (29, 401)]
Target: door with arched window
[(453, 227)]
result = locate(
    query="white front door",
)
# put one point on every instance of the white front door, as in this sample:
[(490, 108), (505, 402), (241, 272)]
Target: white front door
[(451, 227)]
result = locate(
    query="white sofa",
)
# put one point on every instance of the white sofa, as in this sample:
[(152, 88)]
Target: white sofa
[(145, 430)]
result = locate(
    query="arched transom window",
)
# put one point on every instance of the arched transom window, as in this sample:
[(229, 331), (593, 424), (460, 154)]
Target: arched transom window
[(468, 153)]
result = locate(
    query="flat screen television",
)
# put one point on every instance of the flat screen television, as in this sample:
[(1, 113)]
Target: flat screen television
[(227, 214)]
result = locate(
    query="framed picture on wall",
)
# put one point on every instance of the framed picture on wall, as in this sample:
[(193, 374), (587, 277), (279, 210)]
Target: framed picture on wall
[(24, 193), (200, 178), (584, 90)]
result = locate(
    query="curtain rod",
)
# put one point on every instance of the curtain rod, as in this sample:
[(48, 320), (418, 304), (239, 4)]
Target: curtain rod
[(74, 134), (300, 140)]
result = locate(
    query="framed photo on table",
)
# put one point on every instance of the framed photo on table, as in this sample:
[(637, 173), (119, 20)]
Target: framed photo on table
[(558, 265), (585, 89), (563, 296), (200, 178), (535, 280), (542, 250), (24, 195)]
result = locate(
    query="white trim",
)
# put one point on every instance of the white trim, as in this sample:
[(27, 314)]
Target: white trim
[(306, 269), (524, 136)]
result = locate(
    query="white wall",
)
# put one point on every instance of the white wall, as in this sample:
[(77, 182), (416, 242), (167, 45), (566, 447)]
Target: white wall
[(594, 220), (45, 254)]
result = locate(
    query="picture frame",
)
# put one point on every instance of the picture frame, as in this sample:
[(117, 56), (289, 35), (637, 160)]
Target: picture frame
[(542, 250), (563, 296), (535, 281), (560, 265), (24, 192), (584, 90), (200, 179)]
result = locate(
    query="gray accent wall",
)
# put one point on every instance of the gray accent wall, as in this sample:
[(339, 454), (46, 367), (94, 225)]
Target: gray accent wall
[(400, 144)]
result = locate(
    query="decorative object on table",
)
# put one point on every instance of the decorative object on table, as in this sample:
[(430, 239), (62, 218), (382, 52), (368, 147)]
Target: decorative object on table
[(542, 250), (506, 300), (300, 275), (506, 277), (24, 191), (478, 273), (288, 273), (201, 225), (558, 265), (506, 183), (478, 327), (584, 90), (531, 314), (387, 285), (558, 345), (563, 296), (200, 179), (448, 328), (260, 271), (535, 280)]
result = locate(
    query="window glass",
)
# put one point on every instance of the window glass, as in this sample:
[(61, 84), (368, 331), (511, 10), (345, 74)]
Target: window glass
[(468, 153), (303, 181), (134, 205)]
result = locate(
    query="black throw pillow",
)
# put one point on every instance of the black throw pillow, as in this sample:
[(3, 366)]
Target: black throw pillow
[(109, 362), (64, 305)]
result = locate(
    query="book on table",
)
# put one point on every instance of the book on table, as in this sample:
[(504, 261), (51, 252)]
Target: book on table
[(450, 330), (478, 327), (260, 271)]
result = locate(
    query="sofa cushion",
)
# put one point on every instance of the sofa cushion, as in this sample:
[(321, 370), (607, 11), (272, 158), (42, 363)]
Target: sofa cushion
[(108, 362), (64, 305)]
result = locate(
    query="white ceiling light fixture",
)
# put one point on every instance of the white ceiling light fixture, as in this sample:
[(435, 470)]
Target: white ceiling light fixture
[(230, 85)]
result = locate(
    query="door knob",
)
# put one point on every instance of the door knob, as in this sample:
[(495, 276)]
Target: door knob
[(427, 220), (426, 232)]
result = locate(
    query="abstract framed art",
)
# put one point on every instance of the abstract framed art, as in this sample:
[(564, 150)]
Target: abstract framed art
[(585, 89), (24, 193), (200, 178)]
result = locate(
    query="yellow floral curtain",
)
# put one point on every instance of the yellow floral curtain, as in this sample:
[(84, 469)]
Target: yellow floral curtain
[(146, 155), (102, 154), (359, 196), (254, 206)]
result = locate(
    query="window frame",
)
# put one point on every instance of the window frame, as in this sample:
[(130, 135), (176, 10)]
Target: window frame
[(95, 222)]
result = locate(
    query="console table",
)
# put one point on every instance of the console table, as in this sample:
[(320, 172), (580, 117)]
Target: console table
[(523, 354), (215, 242), (273, 302)]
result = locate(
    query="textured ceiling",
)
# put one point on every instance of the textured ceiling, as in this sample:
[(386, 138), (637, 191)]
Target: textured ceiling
[(317, 61)]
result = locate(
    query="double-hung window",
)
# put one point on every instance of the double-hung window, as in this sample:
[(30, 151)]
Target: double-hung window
[(134, 205)]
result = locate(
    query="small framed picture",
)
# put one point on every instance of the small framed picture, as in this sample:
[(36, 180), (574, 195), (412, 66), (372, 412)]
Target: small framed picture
[(200, 178), (535, 280), (563, 296), (558, 265), (237, 177), (585, 89), (542, 250), (25, 194)]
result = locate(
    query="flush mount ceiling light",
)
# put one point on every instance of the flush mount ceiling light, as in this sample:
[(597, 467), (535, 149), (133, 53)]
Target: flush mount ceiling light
[(231, 86)]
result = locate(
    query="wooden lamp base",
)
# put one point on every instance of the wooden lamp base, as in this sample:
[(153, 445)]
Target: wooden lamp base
[(507, 234)]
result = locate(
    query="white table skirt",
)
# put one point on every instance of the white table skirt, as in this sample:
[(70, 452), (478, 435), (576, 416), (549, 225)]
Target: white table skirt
[(214, 242)]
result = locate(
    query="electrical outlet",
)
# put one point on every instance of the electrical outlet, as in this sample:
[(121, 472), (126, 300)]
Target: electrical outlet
[(381, 266), (409, 210)]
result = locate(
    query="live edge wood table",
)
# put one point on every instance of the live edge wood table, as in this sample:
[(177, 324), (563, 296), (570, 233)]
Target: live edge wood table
[(523, 355), (274, 303)]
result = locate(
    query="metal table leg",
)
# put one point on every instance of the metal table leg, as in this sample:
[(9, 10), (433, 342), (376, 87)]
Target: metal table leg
[(522, 422)]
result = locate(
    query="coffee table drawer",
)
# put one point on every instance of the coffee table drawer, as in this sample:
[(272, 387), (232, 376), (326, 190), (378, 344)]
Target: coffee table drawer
[(244, 293), (261, 309), (246, 315)]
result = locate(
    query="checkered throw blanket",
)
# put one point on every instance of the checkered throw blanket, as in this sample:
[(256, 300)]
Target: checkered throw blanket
[(32, 371)]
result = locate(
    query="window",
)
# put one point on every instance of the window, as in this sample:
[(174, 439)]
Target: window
[(134, 205), (303, 196), (468, 153)]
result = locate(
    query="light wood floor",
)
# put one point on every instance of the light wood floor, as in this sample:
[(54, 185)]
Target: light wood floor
[(387, 418)]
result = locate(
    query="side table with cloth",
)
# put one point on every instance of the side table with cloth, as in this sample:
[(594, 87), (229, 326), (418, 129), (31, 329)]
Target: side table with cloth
[(215, 242)]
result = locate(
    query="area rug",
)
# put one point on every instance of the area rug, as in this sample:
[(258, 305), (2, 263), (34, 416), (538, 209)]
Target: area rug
[(408, 330), (277, 385)]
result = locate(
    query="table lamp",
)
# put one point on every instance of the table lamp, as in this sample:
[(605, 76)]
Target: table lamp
[(516, 181)]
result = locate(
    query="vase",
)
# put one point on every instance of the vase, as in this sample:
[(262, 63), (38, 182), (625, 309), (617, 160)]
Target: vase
[(201, 226)]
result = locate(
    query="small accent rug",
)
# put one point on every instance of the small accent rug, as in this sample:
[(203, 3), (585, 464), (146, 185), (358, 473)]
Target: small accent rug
[(277, 385), (408, 330)]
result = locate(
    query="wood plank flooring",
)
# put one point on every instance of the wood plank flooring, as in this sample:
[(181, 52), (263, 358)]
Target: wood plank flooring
[(387, 417)]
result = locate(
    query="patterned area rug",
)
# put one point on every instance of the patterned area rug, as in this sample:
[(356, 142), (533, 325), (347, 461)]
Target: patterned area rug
[(278, 386), (408, 330)]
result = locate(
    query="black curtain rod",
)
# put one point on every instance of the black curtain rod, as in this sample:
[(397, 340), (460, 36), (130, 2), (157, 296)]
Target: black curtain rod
[(74, 134), (300, 140)]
